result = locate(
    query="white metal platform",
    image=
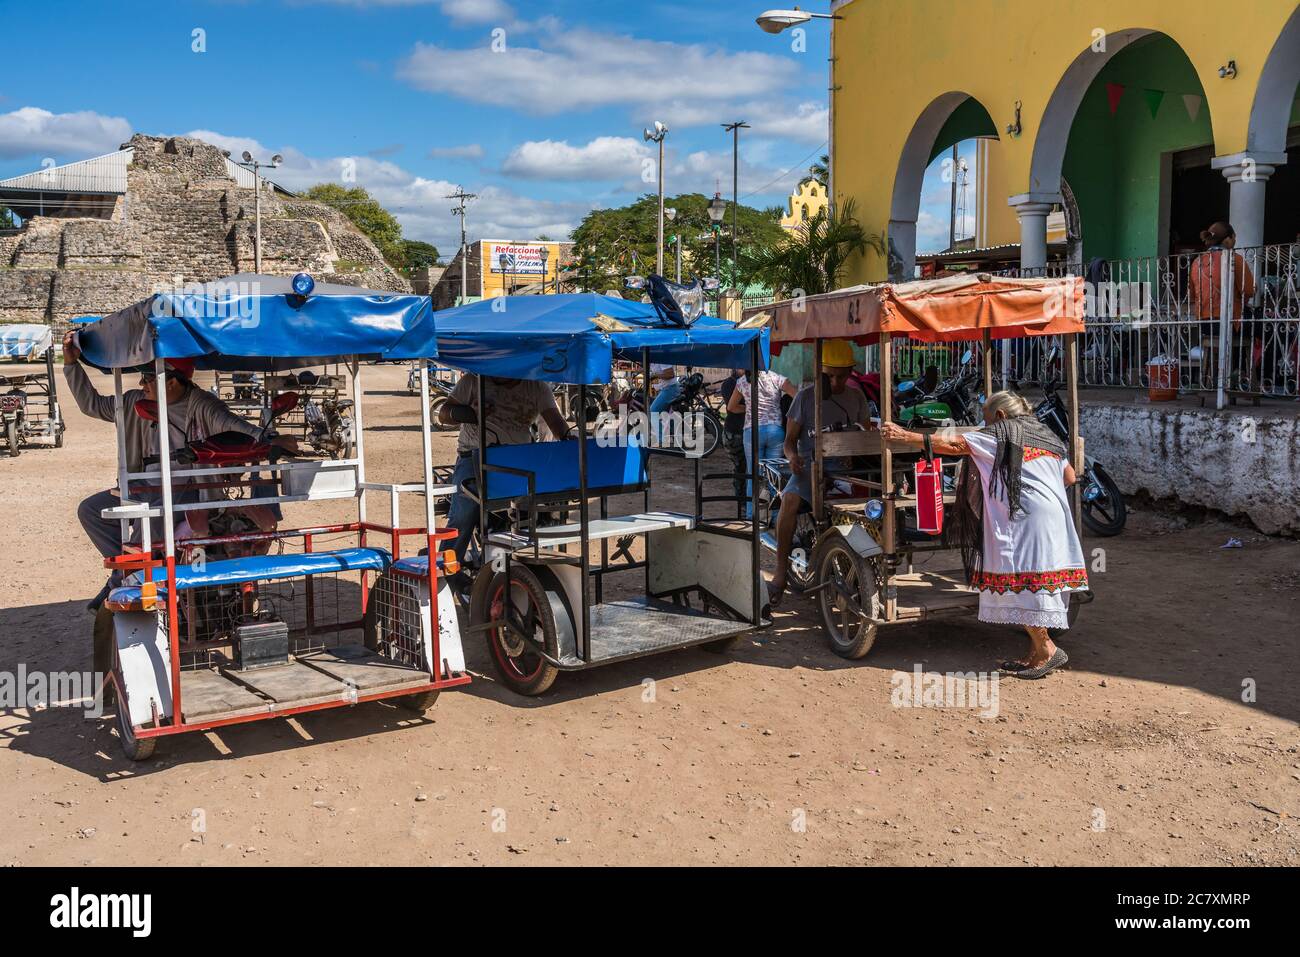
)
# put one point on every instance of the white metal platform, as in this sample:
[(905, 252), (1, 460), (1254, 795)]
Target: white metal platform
[(597, 529)]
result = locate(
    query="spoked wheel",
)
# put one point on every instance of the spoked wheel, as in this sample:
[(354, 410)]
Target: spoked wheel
[(712, 427), (1105, 513), (805, 542), (849, 599), (517, 608), (11, 433)]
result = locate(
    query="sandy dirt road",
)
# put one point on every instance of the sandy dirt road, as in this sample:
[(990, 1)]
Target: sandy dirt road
[(1143, 752)]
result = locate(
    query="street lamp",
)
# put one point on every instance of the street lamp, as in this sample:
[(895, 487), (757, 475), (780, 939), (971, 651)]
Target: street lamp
[(774, 21), (657, 135), (546, 257), (256, 166), (676, 239), (717, 211)]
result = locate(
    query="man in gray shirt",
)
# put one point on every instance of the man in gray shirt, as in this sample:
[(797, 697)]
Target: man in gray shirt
[(843, 406), (192, 414)]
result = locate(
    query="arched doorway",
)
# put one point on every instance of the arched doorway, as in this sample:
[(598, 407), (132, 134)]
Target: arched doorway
[(948, 119), (1129, 128), (1273, 142)]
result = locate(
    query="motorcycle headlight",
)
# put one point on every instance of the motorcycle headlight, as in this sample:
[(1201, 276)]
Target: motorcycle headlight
[(690, 299), (874, 509)]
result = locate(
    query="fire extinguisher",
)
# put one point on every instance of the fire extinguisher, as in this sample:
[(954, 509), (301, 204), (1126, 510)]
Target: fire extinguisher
[(929, 492)]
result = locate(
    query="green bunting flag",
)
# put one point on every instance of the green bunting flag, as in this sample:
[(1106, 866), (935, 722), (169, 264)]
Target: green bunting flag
[(1153, 98)]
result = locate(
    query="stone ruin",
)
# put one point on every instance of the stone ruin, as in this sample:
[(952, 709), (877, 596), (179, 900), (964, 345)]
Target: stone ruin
[(183, 218)]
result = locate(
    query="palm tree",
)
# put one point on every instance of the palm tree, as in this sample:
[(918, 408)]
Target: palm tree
[(821, 170), (812, 258)]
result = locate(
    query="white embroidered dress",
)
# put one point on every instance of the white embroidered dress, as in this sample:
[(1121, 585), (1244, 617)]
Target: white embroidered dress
[(1032, 561)]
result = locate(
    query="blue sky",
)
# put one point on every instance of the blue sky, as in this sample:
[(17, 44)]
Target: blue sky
[(538, 107)]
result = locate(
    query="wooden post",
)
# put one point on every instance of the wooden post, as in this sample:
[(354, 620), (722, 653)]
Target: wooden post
[(889, 519), (1076, 440), (818, 397), (988, 365)]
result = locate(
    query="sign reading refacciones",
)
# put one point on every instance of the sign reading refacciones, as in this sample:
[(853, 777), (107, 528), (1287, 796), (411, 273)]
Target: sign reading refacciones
[(518, 258)]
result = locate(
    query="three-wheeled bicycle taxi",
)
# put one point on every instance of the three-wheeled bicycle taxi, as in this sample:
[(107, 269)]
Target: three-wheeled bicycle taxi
[(864, 562), (553, 525), (29, 401), (226, 617)]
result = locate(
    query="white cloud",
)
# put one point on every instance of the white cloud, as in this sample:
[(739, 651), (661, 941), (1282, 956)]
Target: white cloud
[(575, 69), (65, 137), (604, 158), (807, 123), (468, 151), (420, 205), (477, 11)]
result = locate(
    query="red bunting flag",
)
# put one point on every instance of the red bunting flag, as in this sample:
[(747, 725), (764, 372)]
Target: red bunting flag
[(1113, 93)]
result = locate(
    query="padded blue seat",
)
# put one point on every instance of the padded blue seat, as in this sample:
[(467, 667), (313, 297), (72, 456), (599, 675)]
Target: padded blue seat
[(229, 571), (555, 468), (416, 564)]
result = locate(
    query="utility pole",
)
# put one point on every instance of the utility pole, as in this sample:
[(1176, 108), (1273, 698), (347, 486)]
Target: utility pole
[(657, 135), (459, 210), (256, 166), (734, 129)]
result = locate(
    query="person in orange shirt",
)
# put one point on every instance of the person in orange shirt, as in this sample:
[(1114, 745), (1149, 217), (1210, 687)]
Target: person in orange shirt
[(1205, 287)]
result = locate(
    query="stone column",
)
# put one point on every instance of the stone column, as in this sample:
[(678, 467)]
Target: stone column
[(1247, 175), (1032, 209)]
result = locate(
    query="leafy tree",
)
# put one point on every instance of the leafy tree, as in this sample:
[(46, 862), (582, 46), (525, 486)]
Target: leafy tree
[(812, 258), (7, 218), (610, 244), (417, 255), (367, 215)]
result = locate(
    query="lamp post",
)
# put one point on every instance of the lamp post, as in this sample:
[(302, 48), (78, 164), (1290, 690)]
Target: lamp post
[(734, 129), (676, 240), (775, 21), (256, 166), (546, 257), (717, 210), (657, 135)]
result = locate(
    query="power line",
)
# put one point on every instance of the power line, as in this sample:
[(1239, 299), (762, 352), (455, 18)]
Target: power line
[(788, 171)]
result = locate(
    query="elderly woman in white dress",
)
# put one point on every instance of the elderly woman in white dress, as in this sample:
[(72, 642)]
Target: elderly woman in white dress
[(1013, 525)]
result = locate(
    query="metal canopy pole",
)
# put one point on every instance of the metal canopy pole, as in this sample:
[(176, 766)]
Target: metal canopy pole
[(169, 533), (426, 448), (887, 469), (1076, 440), (988, 365), (819, 396), (583, 520), (645, 382), (756, 577)]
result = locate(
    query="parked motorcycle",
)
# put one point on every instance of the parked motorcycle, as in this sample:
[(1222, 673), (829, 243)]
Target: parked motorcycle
[(950, 402), (1104, 509)]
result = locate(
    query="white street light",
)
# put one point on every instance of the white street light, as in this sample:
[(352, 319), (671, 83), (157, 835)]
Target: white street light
[(657, 136), (774, 21), (256, 166)]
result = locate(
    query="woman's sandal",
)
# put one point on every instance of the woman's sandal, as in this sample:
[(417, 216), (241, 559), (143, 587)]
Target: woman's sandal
[(1012, 665), (1046, 668)]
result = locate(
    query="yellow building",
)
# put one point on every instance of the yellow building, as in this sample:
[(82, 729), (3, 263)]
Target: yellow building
[(1141, 121), (807, 200)]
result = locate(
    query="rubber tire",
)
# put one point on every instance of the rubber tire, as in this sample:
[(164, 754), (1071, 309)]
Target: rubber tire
[(135, 749), (435, 405), (420, 702), (1071, 615), (834, 547), (800, 583), (1102, 477), (58, 438), (11, 431), (486, 586), (712, 432)]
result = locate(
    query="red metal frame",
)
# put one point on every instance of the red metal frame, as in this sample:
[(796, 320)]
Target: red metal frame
[(139, 560)]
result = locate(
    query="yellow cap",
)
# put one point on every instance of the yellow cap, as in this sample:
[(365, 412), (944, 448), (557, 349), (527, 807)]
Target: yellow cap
[(838, 354)]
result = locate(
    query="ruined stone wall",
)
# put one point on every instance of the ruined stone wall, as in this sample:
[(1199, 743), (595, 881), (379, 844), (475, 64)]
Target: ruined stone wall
[(183, 219), (1238, 463)]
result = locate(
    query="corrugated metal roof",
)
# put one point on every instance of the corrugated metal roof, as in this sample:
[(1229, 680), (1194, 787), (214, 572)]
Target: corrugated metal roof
[(99, 174), (105, 174)]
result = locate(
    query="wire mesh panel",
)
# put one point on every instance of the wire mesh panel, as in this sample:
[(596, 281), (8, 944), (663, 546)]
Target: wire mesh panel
[(395, 624)]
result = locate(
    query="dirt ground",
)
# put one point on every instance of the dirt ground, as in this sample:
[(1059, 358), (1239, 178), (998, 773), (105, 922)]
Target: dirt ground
[(1142, 752)]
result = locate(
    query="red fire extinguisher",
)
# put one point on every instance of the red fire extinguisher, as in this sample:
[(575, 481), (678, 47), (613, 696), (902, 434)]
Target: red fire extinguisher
[(929, 492)]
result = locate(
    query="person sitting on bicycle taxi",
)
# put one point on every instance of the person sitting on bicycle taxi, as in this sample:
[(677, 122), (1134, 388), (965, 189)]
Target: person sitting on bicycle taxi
[(512, 407), (771, 428), (192, 413), (842, 408)]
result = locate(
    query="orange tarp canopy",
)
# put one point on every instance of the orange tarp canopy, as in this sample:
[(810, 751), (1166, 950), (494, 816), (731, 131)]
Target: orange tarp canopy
[(952, 309)]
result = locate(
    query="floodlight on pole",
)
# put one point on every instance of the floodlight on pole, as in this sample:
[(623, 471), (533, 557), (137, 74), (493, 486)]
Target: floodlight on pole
[(657, 135), (775, 21), (256, 166)]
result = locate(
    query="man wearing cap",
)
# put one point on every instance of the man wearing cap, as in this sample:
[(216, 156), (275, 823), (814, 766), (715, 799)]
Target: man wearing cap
[(192, 413), (842, 407)]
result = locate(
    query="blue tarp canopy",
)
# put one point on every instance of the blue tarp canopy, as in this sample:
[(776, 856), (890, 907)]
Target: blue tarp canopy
[(554, 338), (25, 340), (248, 322)]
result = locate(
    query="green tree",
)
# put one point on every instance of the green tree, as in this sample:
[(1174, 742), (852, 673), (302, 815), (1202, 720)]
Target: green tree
[(812, 258), (367, 215), (6, 218), (610, 244), (417, 255)]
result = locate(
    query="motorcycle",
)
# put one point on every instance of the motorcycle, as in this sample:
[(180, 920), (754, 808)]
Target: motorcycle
[(949, 404), (691, 403), (1104, 509), (327, 419)]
